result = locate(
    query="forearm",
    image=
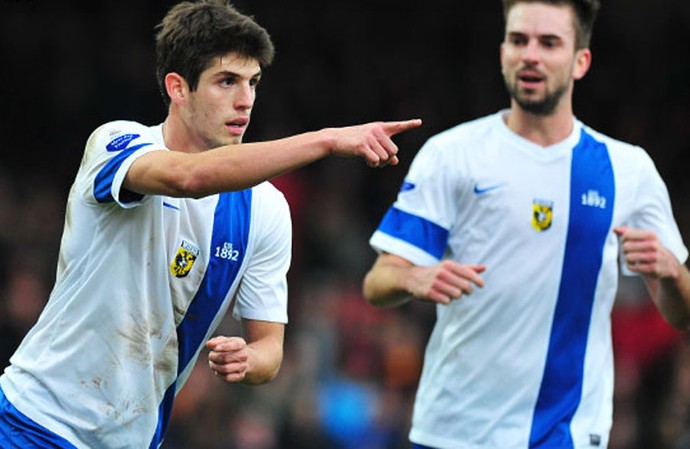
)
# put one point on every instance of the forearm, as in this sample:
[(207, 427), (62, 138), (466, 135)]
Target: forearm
[(223, 169), (263, 363), (672, 297), (264, 350), (385, 285), (236, 167)]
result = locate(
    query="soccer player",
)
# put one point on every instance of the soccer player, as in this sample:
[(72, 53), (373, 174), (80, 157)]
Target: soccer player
[(166, 226), (514, 225)]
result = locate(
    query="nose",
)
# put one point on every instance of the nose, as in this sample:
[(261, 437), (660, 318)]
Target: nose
[(531, 51), (245, 95)]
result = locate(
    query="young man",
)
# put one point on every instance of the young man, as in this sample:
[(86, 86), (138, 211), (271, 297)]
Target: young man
[(165, 227), (514, 224)]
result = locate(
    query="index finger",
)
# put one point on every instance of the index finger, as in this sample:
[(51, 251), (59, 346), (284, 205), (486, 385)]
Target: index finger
[(471, 273), (633, 233), (225, 344), (392, 128), (621, 230), (474, 276)]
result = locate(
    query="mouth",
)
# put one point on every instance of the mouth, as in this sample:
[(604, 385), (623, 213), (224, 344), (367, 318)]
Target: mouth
[(530, 79), (237, 126)]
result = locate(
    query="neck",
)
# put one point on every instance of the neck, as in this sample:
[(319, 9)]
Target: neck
[(178, 136), (544, 130)]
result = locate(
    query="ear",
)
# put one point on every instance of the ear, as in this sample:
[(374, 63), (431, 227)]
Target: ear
[(583, 60), (501, 52), (176, 87)]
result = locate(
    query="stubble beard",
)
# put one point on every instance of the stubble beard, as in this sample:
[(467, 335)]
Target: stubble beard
[(214, 138), (215, 143), (541, 106)]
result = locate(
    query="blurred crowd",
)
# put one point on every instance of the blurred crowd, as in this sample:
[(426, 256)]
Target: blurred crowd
[(350, 371)]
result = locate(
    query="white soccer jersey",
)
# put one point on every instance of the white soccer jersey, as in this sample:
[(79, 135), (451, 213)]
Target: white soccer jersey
[(142, 283), (525, 362)]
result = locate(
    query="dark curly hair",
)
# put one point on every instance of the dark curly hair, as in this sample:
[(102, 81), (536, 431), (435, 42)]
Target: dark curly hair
[(192, 34)]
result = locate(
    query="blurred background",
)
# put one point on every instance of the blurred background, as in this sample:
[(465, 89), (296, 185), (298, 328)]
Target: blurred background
[(350, 371)]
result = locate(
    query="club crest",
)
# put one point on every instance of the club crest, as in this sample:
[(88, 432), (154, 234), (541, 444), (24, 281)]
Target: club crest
[(184, 259), (542, 214)]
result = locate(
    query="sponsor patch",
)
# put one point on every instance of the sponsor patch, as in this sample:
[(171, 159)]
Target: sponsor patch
[(121, 142)]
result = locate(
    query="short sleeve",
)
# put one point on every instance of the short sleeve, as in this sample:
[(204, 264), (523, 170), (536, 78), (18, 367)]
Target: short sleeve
[(110, 151), (262, 294), (417, 225), (653, 210)]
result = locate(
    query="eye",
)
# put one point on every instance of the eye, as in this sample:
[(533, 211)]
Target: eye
[(254, 82), (228, 81), (517, 39), (550, 41)]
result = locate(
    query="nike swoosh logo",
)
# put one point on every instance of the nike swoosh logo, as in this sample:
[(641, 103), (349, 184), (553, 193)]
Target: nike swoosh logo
[(481, 191)]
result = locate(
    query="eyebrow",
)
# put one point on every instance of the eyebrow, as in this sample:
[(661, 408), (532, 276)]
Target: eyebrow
[(231, 74), (540, 36)]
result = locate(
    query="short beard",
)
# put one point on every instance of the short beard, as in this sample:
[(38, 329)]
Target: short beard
[(542, 107)]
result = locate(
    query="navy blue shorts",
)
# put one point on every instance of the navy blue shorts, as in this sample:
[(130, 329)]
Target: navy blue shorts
[(17, 431)]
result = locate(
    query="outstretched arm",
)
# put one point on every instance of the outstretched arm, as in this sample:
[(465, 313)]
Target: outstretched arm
[(668, 280), (253, 361), (237, 167), (393, 280)]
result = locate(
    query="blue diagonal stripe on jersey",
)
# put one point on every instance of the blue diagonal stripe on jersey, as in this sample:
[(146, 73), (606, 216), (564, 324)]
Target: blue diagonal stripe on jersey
[(103, 183), (417, 231), (588, 228), (231, 224)]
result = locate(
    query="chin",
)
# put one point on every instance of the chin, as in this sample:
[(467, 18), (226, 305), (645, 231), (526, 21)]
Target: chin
[(234, 140)]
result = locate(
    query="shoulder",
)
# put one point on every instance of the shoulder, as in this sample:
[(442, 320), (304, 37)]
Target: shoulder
[(457, 144), (119, 128), (465, 134), (268, 200), (117, 135), (271, 221), (621, 152), (266, 191)]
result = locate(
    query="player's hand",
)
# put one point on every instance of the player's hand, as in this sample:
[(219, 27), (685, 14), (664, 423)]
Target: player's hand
[(228, 358), (645, 254), (371, 141), (446, 281)]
